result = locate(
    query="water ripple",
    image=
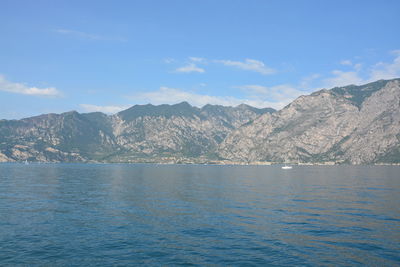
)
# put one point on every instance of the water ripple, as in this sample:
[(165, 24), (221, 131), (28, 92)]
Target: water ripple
[(152, 215)]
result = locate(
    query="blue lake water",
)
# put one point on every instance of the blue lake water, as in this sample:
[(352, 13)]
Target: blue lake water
[(144, 214)]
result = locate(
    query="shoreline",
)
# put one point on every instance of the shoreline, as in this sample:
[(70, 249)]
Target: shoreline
[(213, 163)]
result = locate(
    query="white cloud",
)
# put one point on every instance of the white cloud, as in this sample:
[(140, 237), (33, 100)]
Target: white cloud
[(248, 64), (280, 95), (386, 70), (272, 96), (346, 62), (167, 95), (197, 59), (306, 82), (379, 71), (86, 35), (357, 66), (19, 88), (343, 78), (191, 67), (168, 60), (104, 109)]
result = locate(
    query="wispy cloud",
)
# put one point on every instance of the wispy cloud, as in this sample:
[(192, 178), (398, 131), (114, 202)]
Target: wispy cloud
[(360, 75), (278, 96), (263, 96), (20, 88), (166, 95), (198, 59), (384, 70), (191, 67), (307, 82), (346, 62), (249, 64), (90, 36), (104, 109), (342, 78), (168, 60)]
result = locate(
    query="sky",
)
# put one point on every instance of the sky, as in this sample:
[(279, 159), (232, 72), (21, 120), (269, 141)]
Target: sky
[(57, 56)]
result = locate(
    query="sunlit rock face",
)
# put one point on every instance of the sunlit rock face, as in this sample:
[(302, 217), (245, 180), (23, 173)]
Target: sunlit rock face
[(353, 124), (140, 133)]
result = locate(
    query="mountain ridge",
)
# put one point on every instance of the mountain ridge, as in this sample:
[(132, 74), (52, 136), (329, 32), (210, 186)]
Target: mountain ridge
[(355, 124), (139, 133), (324, 126)]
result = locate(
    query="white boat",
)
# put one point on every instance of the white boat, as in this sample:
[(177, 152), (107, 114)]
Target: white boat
[(26, 162), (286, 167)]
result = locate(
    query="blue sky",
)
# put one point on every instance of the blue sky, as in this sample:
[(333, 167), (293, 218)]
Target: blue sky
[(57, 56)]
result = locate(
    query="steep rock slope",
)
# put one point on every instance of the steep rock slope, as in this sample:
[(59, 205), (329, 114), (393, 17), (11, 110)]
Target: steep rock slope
[(351, 124), (68, 136), (354, 124), (140, 132), (178, 130), (376, 137)]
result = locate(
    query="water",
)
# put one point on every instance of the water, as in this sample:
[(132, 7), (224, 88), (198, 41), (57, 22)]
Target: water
[(117, 214)]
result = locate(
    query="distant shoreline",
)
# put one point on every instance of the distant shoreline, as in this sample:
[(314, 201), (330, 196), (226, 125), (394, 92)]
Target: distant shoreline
[(226, 163)]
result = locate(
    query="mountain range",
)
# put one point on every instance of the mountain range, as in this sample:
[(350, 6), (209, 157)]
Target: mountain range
[(350, 124)]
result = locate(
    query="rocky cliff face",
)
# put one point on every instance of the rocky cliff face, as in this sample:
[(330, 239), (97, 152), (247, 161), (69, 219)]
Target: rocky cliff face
[(353, 124), (68, 136), (140, 133)]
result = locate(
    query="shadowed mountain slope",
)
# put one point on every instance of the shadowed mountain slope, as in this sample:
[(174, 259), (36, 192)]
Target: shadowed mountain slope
[(140, 133), (350, 124)]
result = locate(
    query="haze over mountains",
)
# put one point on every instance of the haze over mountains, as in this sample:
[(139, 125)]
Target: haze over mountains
[(351, 124)]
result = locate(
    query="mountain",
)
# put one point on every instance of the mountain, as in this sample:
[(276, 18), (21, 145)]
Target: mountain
[(68, 136), (351, 124), (142, 133)]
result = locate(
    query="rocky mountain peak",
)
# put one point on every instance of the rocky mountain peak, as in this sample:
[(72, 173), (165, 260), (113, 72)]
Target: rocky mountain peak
[(181, 109), (358, 93), (350, 124)]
